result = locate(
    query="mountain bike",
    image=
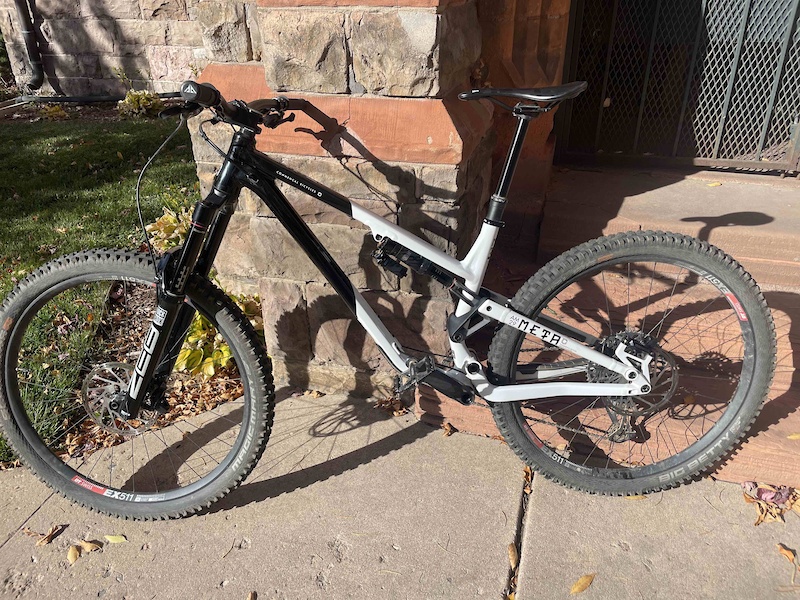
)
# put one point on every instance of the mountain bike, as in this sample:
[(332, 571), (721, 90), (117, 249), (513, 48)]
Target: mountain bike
[(629, 364)]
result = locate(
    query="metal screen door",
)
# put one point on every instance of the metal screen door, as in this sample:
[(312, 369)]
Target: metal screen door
[(709, 82)]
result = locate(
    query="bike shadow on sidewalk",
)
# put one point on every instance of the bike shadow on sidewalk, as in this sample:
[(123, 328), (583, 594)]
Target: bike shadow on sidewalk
[(317, 438)]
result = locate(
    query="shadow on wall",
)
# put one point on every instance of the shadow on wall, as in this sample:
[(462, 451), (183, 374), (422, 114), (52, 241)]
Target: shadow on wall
[(100, 53)]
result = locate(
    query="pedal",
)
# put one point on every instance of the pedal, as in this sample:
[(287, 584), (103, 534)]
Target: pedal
[(417, 371)]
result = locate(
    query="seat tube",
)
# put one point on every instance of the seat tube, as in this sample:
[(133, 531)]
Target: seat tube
[(497, 203)]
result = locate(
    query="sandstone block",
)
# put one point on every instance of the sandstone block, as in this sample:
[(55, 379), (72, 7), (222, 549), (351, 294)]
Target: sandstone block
[(442, 183), (84, 65), (256, 247), (235, 257), (251, 18), (336, 336), (164, 9), (170, 63), (115, 9), (304, 50), (460, 45), (135, 34), (286, 328), (77, 36), (358, 178), (396, 53), (332, 379), (224, 30), (50, 9), (135, 68), (417, 322), (183, 33)]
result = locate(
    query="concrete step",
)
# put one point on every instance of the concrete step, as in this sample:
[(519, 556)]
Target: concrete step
[(756, 218)]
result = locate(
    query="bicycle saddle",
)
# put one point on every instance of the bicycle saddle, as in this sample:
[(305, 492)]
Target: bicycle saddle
[(555, 93)]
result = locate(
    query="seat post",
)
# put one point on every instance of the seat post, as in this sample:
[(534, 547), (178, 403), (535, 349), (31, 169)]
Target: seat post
[(497, 203)]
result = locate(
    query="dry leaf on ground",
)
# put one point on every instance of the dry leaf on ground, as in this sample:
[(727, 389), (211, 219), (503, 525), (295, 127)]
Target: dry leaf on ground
[(316, 394), (90, 545), (513, 555), (770, 501), (793, 436), (582, 584), (44, 538), (790, 554), (73, 554), (115, 539), (448, 429), (392, 405), (252, 596)]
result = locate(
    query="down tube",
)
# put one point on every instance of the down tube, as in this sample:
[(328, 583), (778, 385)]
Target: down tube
[(319, 255)]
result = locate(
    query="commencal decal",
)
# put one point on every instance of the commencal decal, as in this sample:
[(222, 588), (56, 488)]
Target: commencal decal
[(543, 333), (298, 184)]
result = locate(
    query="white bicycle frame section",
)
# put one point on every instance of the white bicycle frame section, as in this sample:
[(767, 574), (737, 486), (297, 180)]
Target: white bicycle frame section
[(472, 270)]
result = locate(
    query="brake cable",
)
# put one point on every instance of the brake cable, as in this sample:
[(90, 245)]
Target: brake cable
[(182, 121)]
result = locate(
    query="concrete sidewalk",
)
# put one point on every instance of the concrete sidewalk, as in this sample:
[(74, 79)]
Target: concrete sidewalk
[(350, 503)]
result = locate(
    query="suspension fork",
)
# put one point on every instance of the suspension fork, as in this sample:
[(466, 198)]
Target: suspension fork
[(173, 315)]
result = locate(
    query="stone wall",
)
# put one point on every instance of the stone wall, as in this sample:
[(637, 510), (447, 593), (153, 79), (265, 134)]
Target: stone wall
[(89, 46)]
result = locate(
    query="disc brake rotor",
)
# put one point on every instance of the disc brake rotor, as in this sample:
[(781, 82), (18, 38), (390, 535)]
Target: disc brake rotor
[(663, 375), (104, 385)]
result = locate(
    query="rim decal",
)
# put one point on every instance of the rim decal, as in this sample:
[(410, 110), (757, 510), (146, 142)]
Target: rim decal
[(92, 487)]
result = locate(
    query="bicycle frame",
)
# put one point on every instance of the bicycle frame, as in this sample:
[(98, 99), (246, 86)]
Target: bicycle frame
[(244, 166)]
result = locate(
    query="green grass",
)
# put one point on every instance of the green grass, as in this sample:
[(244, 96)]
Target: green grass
[(69, 185)]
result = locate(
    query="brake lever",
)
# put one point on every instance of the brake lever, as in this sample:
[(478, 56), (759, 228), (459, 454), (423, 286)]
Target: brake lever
[(189, 109), (274, 124)]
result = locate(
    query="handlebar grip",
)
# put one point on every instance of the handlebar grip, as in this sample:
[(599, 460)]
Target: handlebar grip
[(204, 94)]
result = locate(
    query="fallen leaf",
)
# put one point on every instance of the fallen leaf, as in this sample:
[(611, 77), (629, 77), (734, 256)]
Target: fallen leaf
[(44, 538), (90, 546), (790, 554), (511, 596), (448, 429), (637, 497), (794, 436), (252, 596), (317, 394), (115, 539), (714, 184), (582, 584), (73, 554), (513, 555)]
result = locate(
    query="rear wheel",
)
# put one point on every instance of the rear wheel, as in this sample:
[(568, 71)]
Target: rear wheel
[(679, 304), (73, 333)]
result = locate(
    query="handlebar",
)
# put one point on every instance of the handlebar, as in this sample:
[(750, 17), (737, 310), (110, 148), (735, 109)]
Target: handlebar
[(267, 112)]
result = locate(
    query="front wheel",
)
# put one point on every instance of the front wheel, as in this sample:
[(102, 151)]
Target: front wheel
[(72, 334), (683, 306)]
